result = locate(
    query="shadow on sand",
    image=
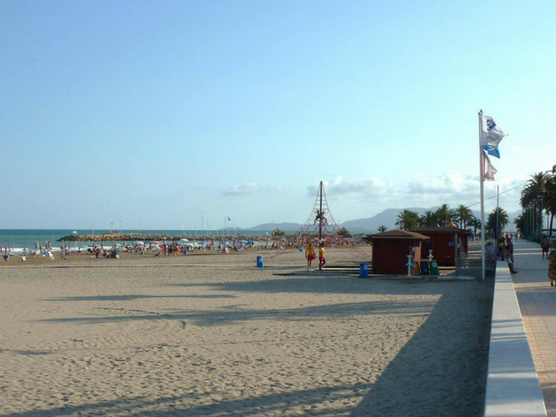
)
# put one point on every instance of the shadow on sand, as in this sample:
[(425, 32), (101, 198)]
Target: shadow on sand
[(441, 371)]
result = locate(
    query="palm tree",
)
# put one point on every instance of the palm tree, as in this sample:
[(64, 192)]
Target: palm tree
[(520, 223), (550, 196), (382, 228), (540, 192), (407, 219), (475, 223), (445, 215), (464, 215), (428, 219), (534, 189), (503, 221)]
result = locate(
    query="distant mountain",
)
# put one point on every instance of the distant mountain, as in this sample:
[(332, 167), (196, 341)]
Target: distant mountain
[(286, 227), (387, 218), (370, 224)]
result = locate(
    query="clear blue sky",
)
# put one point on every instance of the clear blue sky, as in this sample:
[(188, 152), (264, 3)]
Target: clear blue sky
[(164, 113)]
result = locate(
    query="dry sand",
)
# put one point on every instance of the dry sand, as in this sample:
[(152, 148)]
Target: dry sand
[(215, 336)]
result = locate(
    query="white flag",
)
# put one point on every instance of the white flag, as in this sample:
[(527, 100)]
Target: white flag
[(492, 134), (489, 170)]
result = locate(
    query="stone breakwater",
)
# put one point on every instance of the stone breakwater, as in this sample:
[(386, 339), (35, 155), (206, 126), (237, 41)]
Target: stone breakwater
[(104, 237)]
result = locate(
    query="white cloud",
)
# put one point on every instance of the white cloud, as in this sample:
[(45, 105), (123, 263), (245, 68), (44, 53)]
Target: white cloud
[(371, 186), (451, 183), (249, 189)]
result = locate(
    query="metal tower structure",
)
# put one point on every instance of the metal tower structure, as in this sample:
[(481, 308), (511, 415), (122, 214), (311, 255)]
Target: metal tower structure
[(320, 223)]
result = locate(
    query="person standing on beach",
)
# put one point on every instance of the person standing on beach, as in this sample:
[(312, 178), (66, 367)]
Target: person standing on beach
[(322, 260), (310, 255), (552, 267), (545, 245)]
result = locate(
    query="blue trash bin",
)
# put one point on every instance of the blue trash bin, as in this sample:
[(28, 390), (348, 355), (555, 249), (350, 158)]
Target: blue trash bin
[(184, 251), (260, 262), (364, 270)]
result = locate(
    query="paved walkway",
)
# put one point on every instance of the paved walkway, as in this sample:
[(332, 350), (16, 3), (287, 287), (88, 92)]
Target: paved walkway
[(537, 301)]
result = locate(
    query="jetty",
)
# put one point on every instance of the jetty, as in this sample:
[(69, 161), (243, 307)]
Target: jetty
[(120, 237)]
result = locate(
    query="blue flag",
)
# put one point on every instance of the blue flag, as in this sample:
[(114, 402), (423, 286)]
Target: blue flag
[(492, 150)]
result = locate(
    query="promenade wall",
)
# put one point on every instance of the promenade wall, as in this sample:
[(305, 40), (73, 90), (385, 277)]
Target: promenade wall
[(513, 387)]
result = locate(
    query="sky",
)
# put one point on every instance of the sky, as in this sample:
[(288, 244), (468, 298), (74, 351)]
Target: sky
[(181, 114)]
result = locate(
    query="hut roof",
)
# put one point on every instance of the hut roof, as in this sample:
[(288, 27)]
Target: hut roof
[(397, 234), (441, 230)]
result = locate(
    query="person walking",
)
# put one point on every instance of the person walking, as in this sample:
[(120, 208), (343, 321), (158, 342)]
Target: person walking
[(310, 255), (322, 260), (552, 267), (508, 257), (545, 245), (510, 247)]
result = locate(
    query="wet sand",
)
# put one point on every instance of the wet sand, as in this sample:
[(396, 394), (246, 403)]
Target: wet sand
[(213, 335)]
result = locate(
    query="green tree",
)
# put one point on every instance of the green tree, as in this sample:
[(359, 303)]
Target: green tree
[(503, 221), (463, 215), (540, 194), (475, 223), (521, 223), (550, 205), (382, 228), (428, 219), (445, 215), (344, 232), (278, 233), (407, 219)]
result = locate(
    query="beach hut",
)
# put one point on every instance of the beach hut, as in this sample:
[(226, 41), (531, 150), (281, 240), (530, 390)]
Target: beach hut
[(390, 250), (444, 241)]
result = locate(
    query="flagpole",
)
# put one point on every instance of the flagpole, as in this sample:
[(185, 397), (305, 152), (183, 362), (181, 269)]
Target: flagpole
[(481, 180), (497, 234)]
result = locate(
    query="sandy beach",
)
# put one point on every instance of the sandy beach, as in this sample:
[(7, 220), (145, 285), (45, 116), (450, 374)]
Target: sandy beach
[(212, 335)]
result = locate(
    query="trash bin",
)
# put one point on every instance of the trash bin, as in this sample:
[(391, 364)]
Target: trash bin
[(434, 268), (260, 262), (425, 268), (184, 251), (364, 270)]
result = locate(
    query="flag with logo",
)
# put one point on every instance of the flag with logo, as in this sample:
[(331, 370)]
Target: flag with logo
[(492, 135)]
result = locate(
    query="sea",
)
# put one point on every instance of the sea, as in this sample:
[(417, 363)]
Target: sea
[(17, 240)]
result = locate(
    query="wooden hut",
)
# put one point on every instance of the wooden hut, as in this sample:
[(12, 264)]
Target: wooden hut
[(443, 242), (390, 250)]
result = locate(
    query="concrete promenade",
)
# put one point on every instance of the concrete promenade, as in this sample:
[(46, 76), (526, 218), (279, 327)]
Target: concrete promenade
[(537, 302)]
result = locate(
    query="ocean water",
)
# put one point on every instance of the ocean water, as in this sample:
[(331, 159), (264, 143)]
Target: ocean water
[(19, 239)]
